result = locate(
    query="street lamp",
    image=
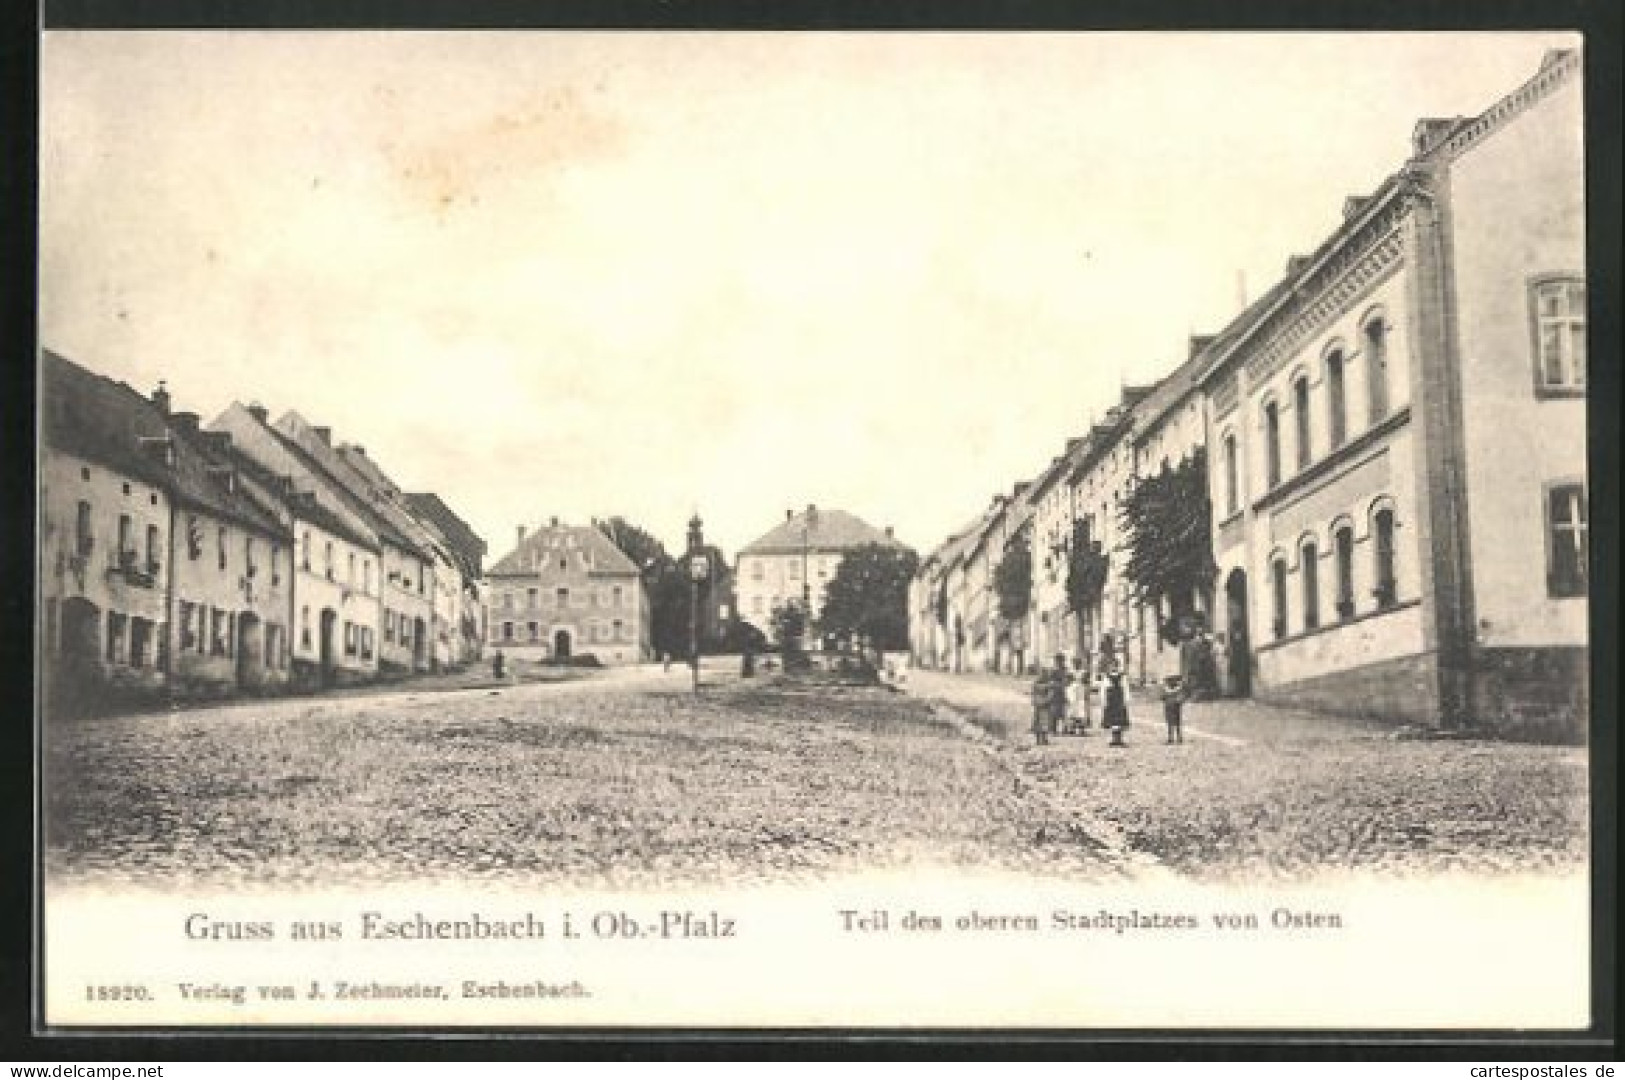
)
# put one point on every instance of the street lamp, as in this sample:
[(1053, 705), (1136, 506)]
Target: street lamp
[(699, 567), (807, 523)]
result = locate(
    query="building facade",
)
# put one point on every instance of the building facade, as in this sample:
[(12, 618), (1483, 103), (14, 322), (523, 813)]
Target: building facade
[(796, 560), (1401, 431), (1394, 437), (336, 555), (159, 574), (566, 591)]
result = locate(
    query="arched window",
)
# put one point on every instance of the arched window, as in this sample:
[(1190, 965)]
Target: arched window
[(1278, 594), (1336, 400), (1376, 367), (1343, 545), (1310, 559), (1382, 530), (1272, 445), (1300, 408)]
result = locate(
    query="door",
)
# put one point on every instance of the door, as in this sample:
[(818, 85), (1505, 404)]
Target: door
[(1239, 675), (561, 645), (329, 651)]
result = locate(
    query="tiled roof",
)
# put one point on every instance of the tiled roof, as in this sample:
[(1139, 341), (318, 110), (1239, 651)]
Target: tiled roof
[(297, 437), (110, 423), (462, 539), (538, 546), (830, 529)]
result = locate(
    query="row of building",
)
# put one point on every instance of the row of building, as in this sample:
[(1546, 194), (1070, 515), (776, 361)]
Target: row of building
[(1395, 439), (243, 554)]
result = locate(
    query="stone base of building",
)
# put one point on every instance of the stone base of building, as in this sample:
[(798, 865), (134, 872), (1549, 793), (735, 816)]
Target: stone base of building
[(1399, 691), (1539, 694), (1534, 694)]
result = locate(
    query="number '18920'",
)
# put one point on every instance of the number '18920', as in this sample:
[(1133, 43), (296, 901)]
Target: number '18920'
[(129, 992)]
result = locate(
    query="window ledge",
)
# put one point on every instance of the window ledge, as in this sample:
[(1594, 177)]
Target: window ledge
[(1332, 460), (1326, 628), (1559, 393)]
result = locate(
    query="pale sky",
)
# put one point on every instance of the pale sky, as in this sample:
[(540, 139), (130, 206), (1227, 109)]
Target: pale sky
[(584, 274)]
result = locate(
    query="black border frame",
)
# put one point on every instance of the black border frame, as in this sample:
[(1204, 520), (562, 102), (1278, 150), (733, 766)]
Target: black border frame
[(21, 887)]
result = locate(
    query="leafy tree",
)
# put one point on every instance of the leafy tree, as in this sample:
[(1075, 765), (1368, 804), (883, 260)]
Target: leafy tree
[(1013, 582), (868, 596), (1168, 522), (789, 631), (670, 589), (1086, 569)]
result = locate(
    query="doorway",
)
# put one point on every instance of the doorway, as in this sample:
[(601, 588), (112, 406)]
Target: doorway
[(330, 619), (1239, 675), (561, 644), (250, 650)]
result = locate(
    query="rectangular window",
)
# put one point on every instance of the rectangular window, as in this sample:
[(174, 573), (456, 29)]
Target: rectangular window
[(1568, 540), (276, 564), (533, 598), (535, 631), (188, 633), (1558, 317), (563, 597), (327, 559), (153, 545), (350, 576), (83, 539), (619, 596), (304, 628), (140, 642), (507, 631), (116, 626), (126, 540), (618, 628)]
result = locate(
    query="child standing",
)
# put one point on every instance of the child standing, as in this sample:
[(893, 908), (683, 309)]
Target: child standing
[(1042, 697), (1173, 707), (1077, 698)]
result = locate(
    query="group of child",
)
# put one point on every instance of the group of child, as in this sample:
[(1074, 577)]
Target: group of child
[(1061, 699)]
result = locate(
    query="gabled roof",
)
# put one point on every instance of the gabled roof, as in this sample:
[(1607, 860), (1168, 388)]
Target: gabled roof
[(112, 424), (539, 547), (463, 541), (301, 438), (826, 529)]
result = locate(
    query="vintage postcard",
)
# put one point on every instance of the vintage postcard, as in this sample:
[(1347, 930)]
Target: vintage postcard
[(1079, 531)]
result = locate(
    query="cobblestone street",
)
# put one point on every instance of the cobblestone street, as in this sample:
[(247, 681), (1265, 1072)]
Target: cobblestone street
[(1260, 793), (624, 778)]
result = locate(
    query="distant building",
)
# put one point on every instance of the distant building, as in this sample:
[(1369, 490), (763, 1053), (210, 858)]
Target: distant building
[(565, 591), (795, 558), (336, 553)]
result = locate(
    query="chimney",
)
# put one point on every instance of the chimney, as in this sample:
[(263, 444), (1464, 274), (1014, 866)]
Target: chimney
[(325, 434), (889, 534), (218, 441), (1241, 290), (185, 422), (1198, 343), (789, 514), (360, 451), (1296, 264), (1353, 205), (160, 397), (553, 522), (521, 536), (259, 412)]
